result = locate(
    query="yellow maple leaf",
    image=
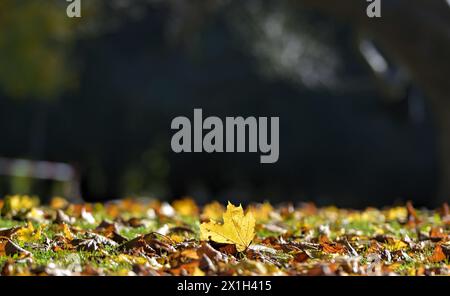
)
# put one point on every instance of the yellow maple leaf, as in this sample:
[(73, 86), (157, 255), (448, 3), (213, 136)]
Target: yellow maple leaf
[(237, 228)]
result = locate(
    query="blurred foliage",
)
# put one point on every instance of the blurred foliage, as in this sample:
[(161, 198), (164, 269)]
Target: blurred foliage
[(35, 38)]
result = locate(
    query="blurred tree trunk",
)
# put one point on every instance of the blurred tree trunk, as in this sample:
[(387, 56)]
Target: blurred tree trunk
[(416, 34)]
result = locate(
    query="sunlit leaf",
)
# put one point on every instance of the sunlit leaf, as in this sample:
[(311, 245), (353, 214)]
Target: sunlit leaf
[(237, 228), (28, 233)]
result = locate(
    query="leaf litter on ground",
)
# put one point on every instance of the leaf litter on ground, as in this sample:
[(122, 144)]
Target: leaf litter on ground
[(152, 237)]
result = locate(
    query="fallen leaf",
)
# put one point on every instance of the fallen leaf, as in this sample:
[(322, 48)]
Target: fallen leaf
[(229, 249), (396, 214), (62, 217), (186, 269), (149, 243), (438, 254), (93, 242), (213, 211), (185, 207), (330, 247), (13, 249), (237, 228), (9, 231), (437, 234), (110, 231), (398, 245), (28, 233), (190, 253), (58, 203), (261, 212), (213, 254), (87, 216), (198, 272), (207, 264), (301, 257), (67, 233), (2, 247)]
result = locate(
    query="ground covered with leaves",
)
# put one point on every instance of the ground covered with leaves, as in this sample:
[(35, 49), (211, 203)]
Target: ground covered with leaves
[(149, 237)]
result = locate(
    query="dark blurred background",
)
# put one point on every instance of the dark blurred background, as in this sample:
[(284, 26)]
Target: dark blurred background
[(364, 104)]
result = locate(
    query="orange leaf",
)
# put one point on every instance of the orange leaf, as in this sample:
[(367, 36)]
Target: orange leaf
[(437, 234), (330, 247), (438, 254)]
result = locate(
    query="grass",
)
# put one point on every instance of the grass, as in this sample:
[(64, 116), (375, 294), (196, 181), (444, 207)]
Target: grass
[(291, 231)]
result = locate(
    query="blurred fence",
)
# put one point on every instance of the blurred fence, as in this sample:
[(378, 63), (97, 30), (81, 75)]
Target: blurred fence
[(23, 175)]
